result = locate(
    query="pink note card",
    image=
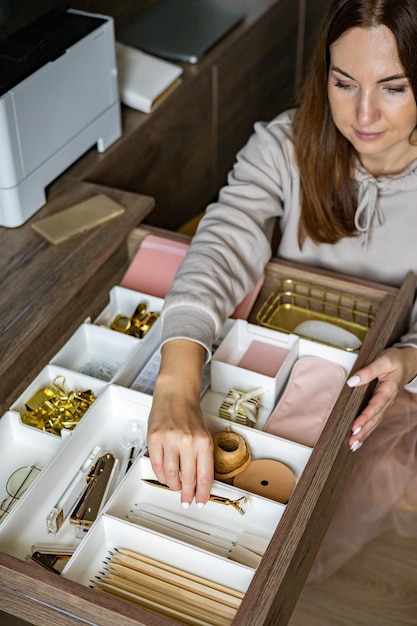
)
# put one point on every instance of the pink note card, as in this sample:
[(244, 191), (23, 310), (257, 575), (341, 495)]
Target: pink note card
[(155, 264), (263, 358)]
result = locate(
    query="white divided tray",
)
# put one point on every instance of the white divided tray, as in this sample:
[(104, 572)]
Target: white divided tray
[(273, 352), (107, 425), (72, 381), (109, 533), (345, 359), (266, 446), (260, 518), (94, 351), (230, 366), (22, 446), (124, 301), (109, 356)]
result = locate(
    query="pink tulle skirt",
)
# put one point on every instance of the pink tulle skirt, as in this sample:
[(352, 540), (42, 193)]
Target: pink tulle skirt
[(381, 493)]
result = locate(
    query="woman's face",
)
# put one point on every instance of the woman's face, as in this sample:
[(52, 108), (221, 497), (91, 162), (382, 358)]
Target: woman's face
[(371, 99)]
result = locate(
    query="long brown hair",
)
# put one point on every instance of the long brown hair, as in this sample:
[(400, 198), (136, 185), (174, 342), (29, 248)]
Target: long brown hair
[(325, 158)]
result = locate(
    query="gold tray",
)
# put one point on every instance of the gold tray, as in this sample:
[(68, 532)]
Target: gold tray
[(293, 302)]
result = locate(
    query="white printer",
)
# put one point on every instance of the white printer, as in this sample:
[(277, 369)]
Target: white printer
[(58, 97)]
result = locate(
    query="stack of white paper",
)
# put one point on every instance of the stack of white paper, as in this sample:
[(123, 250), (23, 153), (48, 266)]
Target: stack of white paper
[(144, 80)]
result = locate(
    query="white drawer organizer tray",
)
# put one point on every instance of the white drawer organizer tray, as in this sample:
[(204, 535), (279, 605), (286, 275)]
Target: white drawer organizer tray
[(136, 515)]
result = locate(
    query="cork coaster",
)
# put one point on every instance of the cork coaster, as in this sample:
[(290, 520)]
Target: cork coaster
[(269, 478)]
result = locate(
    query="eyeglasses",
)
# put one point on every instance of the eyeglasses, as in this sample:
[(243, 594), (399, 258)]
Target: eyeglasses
[(17, 484)]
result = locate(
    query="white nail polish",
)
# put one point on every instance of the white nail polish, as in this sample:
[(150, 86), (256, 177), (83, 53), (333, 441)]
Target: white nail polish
[(355, 446), (353, 381), (185, 505), (200, 505), (357, 430)]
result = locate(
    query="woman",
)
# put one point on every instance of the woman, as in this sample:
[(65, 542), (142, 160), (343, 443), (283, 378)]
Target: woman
[(340, 174)]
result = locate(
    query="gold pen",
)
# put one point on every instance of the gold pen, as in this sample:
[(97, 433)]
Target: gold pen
[(236, 504)]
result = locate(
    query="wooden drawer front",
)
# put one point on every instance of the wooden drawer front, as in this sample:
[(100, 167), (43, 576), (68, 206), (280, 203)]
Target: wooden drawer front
[(169, 155)]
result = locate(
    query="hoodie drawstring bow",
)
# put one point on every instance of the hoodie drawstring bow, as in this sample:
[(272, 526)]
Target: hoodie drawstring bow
[(368, 211)]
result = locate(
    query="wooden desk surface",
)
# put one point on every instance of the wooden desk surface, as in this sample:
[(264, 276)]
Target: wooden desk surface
[(47, 290)]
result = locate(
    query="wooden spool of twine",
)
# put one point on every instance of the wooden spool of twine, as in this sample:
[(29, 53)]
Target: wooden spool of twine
[(231, 455)]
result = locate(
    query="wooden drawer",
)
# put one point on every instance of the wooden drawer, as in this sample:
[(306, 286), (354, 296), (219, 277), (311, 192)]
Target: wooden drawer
[(41, 597)]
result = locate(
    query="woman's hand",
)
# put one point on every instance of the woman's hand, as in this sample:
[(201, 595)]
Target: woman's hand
[(179, 444), (393, 369)]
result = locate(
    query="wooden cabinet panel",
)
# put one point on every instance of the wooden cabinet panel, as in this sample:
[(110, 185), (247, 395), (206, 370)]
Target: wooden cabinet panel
[(168, 155), (255, 80), (311, 15), (181, 152)]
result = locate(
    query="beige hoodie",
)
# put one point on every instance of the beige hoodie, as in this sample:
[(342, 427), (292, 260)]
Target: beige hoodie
[(231, 247)]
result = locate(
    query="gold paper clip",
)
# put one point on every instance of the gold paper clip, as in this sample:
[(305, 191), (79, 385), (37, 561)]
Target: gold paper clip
[(236, 504)]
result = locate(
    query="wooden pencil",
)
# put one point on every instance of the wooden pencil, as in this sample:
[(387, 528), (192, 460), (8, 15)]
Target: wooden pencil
[(159, 565), (147, 603), (167, 589), (184, 582), (192, 612)]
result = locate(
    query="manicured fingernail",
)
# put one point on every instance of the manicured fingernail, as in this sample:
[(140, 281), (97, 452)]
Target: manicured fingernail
[(355, 446), (353, 381), (185, 505), (357, 430), (200, 505)]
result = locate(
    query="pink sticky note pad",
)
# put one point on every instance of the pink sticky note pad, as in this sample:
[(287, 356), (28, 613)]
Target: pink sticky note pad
[(263, 358), (155, 264)]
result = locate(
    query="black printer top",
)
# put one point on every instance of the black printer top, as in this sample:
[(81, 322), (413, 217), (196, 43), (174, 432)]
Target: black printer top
[(41, 41)]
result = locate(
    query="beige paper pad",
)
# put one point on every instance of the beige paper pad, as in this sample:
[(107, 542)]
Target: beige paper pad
[(78, 218)]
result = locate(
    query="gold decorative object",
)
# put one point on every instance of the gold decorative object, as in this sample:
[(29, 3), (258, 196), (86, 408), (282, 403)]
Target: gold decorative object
[(239, 505), (90, 502), (138, 325), (241, 406), (293, 302)]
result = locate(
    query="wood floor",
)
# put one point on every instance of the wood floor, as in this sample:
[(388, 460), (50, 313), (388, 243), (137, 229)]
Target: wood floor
[(378, 587)]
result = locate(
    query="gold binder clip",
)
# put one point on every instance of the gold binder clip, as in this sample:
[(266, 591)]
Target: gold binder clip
[(54, 407)]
